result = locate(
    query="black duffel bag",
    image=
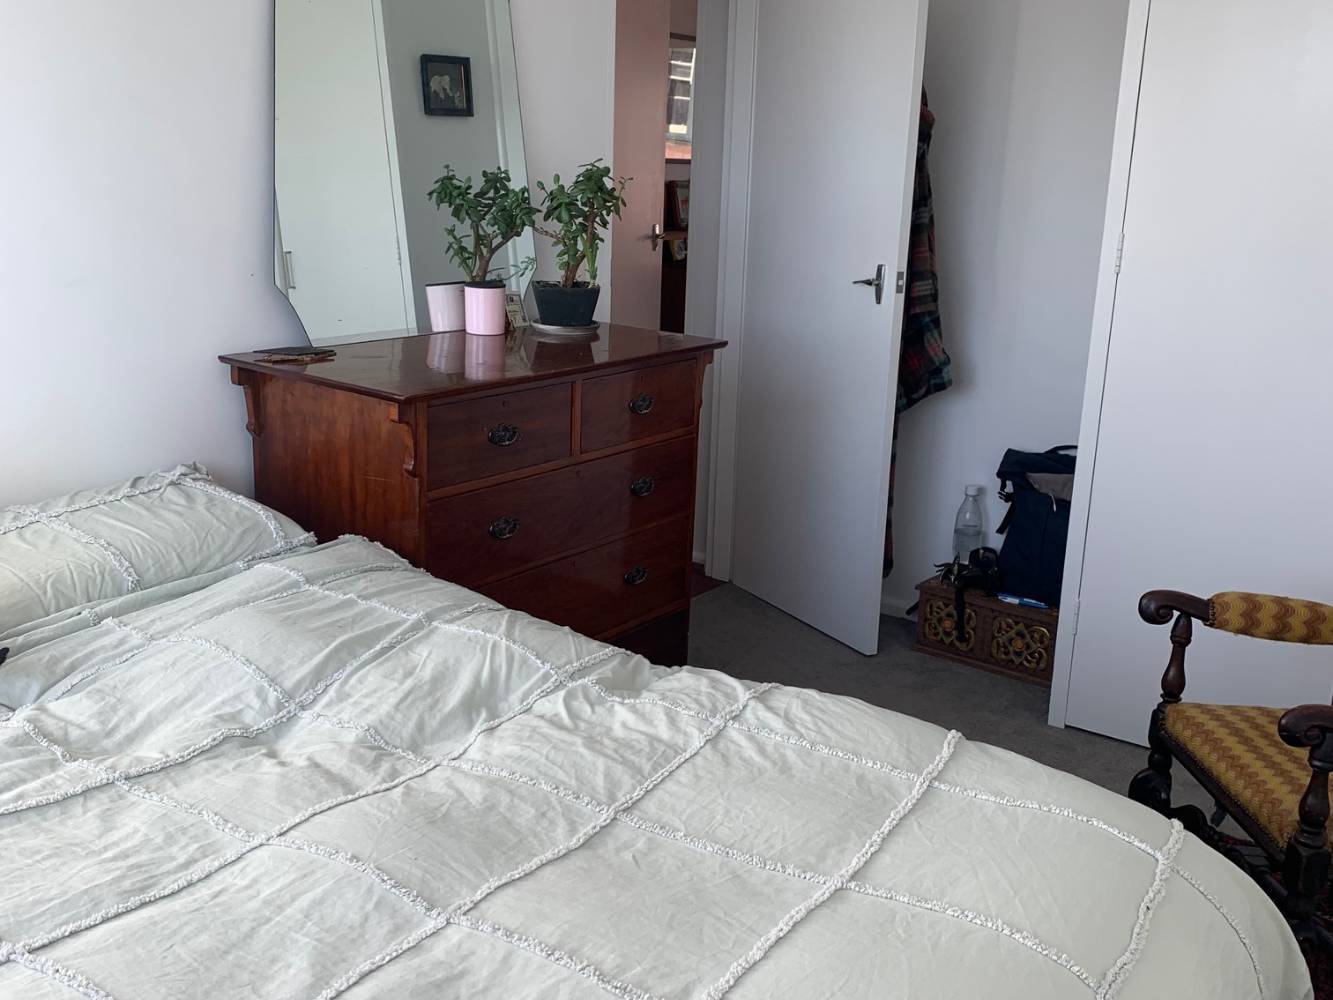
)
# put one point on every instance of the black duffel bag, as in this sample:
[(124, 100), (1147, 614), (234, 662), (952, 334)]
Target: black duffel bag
[(1038, 487)]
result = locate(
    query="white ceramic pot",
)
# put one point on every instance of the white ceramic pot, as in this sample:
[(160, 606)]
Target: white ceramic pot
[(485, 308), (445, 302)]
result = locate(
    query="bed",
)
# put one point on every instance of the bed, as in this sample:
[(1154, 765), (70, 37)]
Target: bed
[(314, 771)]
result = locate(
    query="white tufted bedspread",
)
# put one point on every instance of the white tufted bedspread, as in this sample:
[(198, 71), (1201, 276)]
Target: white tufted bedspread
[(334, 776)]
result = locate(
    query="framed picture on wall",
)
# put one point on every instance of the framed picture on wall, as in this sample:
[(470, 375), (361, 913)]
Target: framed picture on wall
[(446, 86)]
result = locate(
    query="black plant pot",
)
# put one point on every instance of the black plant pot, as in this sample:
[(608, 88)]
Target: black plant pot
[(558, 306)]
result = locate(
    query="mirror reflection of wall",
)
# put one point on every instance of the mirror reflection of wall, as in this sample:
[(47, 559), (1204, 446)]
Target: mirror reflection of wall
[(364, 126)]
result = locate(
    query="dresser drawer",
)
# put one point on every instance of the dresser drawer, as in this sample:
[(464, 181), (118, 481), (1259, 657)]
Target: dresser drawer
[(636, 405), (499, 530), (477, 438), (607, 587)]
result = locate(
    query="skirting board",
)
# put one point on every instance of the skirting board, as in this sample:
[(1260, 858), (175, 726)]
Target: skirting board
[(895, 607)]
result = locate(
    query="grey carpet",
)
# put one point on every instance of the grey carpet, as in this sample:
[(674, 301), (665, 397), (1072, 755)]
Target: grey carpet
[(733, 631)]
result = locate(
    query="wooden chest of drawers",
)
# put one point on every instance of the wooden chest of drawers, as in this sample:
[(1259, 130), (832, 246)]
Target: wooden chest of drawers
[(556, 478)]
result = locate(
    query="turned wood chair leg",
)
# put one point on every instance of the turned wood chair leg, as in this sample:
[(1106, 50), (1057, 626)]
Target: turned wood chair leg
[(1152, 786), (1305, 868)]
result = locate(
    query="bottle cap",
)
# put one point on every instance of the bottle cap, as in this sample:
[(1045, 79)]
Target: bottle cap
[(973, 490)]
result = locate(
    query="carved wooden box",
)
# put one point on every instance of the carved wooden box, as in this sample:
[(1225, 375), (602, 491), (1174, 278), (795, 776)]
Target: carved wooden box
[(997, 636)]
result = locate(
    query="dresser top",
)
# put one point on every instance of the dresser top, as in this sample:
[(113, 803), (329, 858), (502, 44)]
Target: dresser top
[(405, 369)]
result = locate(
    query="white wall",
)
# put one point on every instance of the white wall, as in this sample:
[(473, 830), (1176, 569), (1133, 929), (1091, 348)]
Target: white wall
[(1025, 94), (426, 143), (140, 244), (566, 79), (684, 16), (137, 242), (338, 203)]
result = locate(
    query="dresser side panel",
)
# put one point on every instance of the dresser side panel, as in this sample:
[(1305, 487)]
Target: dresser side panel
[(338, 462)]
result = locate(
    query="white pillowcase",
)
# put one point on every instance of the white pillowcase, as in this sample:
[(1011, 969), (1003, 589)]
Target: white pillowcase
[(74, 550)]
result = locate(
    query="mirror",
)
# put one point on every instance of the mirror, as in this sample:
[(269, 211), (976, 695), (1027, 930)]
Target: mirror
[(373, 99)]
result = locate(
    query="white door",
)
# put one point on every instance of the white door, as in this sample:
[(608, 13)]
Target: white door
[(337, 194), (643, 46), (1210, 469), (836, 99)]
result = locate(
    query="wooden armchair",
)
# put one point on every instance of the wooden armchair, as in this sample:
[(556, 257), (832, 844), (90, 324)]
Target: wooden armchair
[(1266, 768)]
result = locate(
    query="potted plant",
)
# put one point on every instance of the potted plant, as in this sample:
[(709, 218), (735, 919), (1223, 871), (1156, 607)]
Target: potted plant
[(582, 211), (485, 219)]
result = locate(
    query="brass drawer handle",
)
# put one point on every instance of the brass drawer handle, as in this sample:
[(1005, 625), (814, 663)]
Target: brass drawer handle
[(506, 527), (643, 487), (636, 576), (502, 436), (641, 404)]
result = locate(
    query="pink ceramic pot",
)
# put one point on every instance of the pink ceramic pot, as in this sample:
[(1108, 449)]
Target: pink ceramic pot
[(484, 358), (445, 351), (445, 302), (485, 308)]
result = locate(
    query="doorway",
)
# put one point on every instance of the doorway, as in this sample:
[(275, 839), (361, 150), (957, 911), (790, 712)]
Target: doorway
[(819, 197), (669, 107)]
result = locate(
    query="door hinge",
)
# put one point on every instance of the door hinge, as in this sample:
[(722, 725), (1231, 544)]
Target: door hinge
[(1120, 253), (901, 285), (1073, 618)]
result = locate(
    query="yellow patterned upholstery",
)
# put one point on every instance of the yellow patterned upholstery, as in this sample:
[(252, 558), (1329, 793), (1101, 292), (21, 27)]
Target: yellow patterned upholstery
[(1240, 748), (1267, 617)]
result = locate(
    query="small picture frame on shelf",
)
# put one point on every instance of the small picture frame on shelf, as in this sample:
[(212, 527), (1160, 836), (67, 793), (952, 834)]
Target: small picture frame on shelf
[(446, 86), (518, 316)]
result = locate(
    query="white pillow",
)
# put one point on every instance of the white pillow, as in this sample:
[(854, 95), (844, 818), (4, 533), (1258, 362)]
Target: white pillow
[(73, 550)]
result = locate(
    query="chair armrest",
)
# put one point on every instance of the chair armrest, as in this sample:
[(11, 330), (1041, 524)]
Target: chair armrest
[(1157, 606), (1267, 616), (1306, 725)]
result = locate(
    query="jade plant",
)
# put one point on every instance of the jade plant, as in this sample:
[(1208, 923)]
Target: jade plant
[(578, 215), (485, 218)]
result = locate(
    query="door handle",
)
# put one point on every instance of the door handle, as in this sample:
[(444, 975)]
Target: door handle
[(877, 283), (503, 436), (503, 529), (656, 235)]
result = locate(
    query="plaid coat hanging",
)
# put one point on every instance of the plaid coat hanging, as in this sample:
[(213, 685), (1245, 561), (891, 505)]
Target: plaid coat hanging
[(924, 367)]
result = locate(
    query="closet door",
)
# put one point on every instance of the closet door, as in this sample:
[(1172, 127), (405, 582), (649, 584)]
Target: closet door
[(836, 99), (1211, 467)]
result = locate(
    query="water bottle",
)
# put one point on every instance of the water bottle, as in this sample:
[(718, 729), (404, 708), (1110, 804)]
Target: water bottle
[(967, 529)]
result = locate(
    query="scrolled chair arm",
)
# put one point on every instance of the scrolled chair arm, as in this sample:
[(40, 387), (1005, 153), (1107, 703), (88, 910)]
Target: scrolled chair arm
[(1156, 607), (1310, 726), (1306, 726)]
